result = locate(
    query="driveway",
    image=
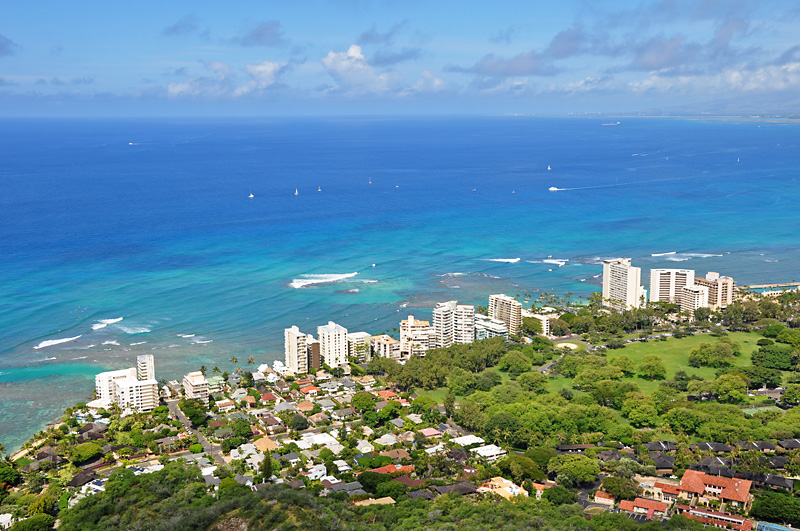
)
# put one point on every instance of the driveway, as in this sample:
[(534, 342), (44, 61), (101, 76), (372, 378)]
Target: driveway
[(208, 448)]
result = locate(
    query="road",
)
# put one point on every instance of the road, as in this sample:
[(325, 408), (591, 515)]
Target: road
[(208, 448)]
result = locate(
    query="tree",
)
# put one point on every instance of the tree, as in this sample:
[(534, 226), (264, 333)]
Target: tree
[(541, 456), (558, 495), (203, 369), (702, 314), (195, 411), (196, 448), (265, 467), (779, 357), (652, 368), (520, 468), (39, 522), (559, 327), (575, 468), (514, 363), (298, 422), (84, 452), (620, 488), (362, 402), (371, 480), (44, 504), (625, 364), (449, 403), (250, 360), (393, 489), (531, 326), (533, 381), (8, 474), (461, 382), (730, 388)]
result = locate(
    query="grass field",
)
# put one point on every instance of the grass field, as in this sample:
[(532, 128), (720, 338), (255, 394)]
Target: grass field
[(675, 355)]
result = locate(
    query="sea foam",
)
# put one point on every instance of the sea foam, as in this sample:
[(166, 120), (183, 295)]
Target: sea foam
[(102, 323), (663, 254), (51, 342), (134, 329), (506, 260), (310, 280)]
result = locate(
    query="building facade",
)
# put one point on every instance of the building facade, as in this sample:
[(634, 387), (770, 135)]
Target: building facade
[(416, 337), (295, 350), (486, 327), (692, 298), (195, 387), (359, 346), (453, 323), (385, 346), (720, 289), (133, 388), (622, 289), (506, 309), (332, 344), (666, 284)]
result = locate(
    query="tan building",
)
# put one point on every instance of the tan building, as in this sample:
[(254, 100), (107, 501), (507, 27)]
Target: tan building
[(359, 346), (195, 386), (134, 388), (416, 337), (720, 289), (692, 298), (295, 350), (333, 344), (666, 284), (506, 309), (385, 346)]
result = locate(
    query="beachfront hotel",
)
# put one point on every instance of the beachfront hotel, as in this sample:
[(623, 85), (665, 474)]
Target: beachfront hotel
[(720, 289), (693, 297), (666, 284), (622, 289), (195, 386), (134, 388), (332, 344), (416, 337), (453, 323), (506, 309), (296, 350), (385, 346)]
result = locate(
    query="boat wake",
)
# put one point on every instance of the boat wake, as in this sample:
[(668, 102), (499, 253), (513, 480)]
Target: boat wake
[(505, 260)]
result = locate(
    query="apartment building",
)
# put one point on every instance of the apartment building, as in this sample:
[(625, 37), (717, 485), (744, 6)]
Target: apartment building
[(359, 346), (416, 337), (385, 346), (296, 350), (720, 289), (622, 289), (486, 327), (692, 298), (506, 309), (332, 344), (666, 284), (133, 388), (195, 386), (453, 323)]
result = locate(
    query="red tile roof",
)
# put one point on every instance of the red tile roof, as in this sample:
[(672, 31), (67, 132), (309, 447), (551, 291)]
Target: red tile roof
[(309, 389), (641, 503), (268, 397), (732, 489), (666, 488), (715, 518), (386, 394), (394, 469), (598, 494)]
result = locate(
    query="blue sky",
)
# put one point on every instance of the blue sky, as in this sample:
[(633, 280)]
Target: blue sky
[(307, 57)]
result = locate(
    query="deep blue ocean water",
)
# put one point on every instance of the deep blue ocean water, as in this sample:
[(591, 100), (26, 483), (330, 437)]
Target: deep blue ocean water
[(150, 220)]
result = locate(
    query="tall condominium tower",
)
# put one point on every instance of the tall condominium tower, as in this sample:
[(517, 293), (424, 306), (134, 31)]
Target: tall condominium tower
[(622, 287), (666, 284), (453, 323), (332, 344), (506, 309), (296, 349)]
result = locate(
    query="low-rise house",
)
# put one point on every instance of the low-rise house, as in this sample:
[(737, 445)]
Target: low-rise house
[(716, 518), (386, 394), (663, 462), (273, 424), (268, 398), (243, 451), (343, 414), (660, 446), (285, 407), (238, 394), (467, 440), (415, 418), (662, 491), (650, 508), (789, 444), (250, 401), (394, 469), (489, 452), (396, 455), (603, 498), (438, 449), (431, 433), (760, 446), (292, 458), (317, 472), (367, 382), (701, 487), (573, 448), (326, 404), (387, 439), (225, 405), (329, 387), (712, 447), (266, 445), (458, 455), (398, 423), (318, 418), (407, 437), (342, 466), (463, 488), (503, 487), (305, 406), (6, 520), (310, 390)]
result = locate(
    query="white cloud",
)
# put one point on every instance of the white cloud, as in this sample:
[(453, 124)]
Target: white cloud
[(430, 83), (262, 76), (354, 75), (770, 78)]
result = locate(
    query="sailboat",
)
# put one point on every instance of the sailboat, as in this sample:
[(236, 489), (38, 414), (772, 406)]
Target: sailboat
[(737, 159), (319, 188), (251, 196), (548, 167), (370, 180), (296, 192)]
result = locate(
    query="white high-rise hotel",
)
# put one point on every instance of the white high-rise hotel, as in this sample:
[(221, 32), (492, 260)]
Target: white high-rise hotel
[(453, 323), (134, 388), (666, 284), (622, 287), (333, 344), (506, 309)]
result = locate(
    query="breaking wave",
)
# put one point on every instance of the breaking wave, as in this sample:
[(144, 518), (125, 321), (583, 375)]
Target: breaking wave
[(51, 342), (309, 280)]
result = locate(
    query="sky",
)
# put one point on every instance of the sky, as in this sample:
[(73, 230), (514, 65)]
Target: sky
[(403, 57)]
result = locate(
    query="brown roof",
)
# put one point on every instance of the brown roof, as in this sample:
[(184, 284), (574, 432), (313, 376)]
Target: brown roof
[(396, 454), (641, 503), (408, 482), (667, 488), (732, 488), (600, 494)]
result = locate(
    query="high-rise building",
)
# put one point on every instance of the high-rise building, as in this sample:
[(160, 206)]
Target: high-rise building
[(333, 344), (314, 358), (195, 387), (666, 284), (133, 388), (486, 327), (622, 287), (385, 346), (296, 350), (416, 337), (693, 297), (506, 309), (453, 323), (359, 347), (720, 289)]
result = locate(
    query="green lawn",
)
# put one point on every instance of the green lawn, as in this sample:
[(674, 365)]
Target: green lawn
[(675, 355)]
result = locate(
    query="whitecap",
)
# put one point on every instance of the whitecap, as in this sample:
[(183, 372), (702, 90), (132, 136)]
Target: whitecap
[(111, 342), (701, 255), (134, 329), (663, 254), (310, 280), (506, 260), (102, 323), (49, 359), (51, 342), (186, 335), (80, 358), (369, 281), (583, 280), (201, 342), (87, 347), (677, 258), (560, 262), (139, 343)]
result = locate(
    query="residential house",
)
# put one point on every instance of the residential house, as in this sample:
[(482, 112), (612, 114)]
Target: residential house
[(238, 394), (467, 440), (343, 414), (305, 406), (662, 461), (503, 487), (318, 418), (225, 405), (265, 444), (761, 446), (396, 455), (700, 487), (342, 466), (367, 382), (716, 518), (650, 508), (789, 444), (660, 446), (666, 492), (602, 498), (573, 448), (250, 401), (489, 452), (387, 439), (431, 433), (712, 447), (268, 398), (364, 446), (310, 390), (463, 488), (326, 404), (394, 469)]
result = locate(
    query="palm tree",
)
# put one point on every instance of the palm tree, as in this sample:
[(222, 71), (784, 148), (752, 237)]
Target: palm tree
[(234, 359), (203, 369), (215, 370), (250, 360)]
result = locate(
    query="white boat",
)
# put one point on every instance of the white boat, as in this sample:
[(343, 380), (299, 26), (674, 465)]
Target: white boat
[(251, 196), (553, 189), (370, 180), (737, 159), (296, 192), (548, 167), (513, 191), (319, 188)]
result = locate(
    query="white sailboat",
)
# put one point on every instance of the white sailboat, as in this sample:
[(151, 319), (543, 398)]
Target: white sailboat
[(370, 180), (548, 167), (296, 192), (251, 196), (319, 188)]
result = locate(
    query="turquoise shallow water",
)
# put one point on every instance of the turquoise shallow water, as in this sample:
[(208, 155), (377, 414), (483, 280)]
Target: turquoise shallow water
[(151, 221)]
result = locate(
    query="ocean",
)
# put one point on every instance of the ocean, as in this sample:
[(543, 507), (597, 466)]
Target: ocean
[(124, 237)]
